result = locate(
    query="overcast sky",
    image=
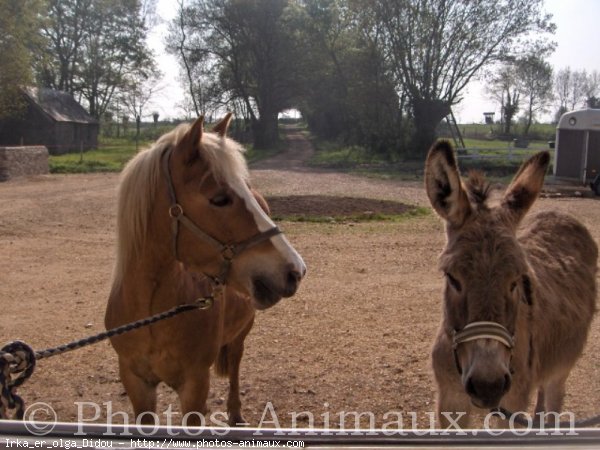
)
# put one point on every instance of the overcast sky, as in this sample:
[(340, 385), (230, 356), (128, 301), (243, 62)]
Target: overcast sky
[(577, 36)]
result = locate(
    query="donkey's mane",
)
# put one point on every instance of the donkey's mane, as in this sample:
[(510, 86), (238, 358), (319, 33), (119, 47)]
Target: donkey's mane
[(478, 188), (142, 177)]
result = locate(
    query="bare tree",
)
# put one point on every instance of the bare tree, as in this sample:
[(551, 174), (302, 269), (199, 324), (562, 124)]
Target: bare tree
[(535, 80), (592, 89), (577, 89), (504, 88), (562, 85), (437, 47)]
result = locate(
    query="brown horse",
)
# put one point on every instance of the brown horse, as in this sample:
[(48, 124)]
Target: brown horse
[(519, 299), (188, 224)]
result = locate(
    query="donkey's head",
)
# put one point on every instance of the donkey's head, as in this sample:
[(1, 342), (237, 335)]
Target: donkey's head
[(487, 276)]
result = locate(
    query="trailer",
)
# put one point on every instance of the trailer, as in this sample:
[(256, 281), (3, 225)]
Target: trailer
[(577, 154)]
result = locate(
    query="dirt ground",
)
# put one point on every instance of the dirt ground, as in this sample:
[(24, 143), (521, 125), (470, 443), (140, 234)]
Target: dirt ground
[(356, 337)]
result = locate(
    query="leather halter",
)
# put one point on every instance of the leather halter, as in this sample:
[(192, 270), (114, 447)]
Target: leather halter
[(481, 330), (227, 251)]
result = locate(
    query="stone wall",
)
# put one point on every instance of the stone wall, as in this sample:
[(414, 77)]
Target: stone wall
[(22, 161)]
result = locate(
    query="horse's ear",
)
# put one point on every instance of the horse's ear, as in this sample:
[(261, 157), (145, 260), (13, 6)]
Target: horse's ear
[(223, 125), (189, 144), (261, 201), (443, 185), (525, 186)]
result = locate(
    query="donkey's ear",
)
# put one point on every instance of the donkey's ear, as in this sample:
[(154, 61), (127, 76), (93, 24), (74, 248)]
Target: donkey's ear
[(223, 125), (443, 185), (190, 142), (525, 186)]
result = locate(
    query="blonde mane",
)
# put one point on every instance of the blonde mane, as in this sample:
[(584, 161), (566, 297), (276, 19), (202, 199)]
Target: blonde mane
[(141, 178)]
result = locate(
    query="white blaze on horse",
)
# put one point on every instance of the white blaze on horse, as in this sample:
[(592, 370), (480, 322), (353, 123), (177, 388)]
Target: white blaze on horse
[(520, 291), (188, 224)]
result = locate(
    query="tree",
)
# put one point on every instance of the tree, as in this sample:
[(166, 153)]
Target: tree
[(562, 83), (20, 41), (348, 92), (65, 30), (591, 88), (437, 47), (95, 47), (138, 95), (250, 44), (535, 80), (504, 88)]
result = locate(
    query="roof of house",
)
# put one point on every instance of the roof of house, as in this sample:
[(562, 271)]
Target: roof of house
[(60, 106)]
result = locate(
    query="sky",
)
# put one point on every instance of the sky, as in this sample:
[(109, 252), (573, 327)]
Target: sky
[(577, 36)]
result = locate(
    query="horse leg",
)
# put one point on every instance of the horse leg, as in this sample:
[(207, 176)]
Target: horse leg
[(193, 393), (235, 351), (141, 392)]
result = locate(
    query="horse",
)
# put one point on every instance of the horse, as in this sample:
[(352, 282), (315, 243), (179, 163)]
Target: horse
[(519, 295), (189, 227)]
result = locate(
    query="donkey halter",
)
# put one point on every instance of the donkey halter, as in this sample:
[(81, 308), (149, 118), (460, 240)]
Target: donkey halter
[(228, 251), (481, 330)]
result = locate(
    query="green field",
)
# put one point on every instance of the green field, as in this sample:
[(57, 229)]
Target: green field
[(111, 156)]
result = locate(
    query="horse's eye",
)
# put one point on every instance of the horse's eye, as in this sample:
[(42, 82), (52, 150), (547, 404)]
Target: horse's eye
[(220, 200), (454, 282)]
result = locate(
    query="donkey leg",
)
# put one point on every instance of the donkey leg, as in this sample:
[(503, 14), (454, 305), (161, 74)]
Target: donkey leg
[(540, 404), (193, 393), (516, 401), (235, 351), (141, 392), (555, 393), (453, 408)]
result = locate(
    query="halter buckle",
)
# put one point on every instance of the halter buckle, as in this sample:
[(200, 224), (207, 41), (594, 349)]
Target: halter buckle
[(175, 211), (228, 252), (205, 302)]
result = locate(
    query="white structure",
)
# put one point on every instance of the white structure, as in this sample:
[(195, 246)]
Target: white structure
[(577, 153)]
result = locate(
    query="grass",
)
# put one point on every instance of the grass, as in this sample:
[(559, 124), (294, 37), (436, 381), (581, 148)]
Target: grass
[(371, 217), (112, 156), (498, 159)]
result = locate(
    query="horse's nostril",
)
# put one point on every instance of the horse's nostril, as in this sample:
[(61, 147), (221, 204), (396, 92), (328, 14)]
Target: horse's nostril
[(294, 277)]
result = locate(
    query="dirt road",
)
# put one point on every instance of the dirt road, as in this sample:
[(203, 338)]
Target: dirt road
[(356, 337)]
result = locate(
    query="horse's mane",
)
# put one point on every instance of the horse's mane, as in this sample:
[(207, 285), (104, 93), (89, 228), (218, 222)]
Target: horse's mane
[(142, 176)]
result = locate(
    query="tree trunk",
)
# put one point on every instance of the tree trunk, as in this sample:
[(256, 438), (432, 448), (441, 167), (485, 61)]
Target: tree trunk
[(265, 130), (427, 116)]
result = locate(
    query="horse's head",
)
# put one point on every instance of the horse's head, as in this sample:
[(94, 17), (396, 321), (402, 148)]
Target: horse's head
[(487, 274), (220, 225)]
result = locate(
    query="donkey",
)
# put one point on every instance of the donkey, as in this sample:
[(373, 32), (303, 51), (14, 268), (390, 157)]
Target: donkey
[(520, 292)]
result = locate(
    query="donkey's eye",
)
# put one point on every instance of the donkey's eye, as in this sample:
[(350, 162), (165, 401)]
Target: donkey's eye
[(513, 287), (454, 282), (221, 200)]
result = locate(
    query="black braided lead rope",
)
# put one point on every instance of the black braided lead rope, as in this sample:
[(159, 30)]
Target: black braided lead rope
[(518, 419), (201, 303), (17, 359)]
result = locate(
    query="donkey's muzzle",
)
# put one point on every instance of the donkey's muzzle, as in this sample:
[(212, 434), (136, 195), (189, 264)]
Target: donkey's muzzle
[(486, 392)]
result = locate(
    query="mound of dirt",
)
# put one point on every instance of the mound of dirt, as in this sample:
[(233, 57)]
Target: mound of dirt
[(318, 206)]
